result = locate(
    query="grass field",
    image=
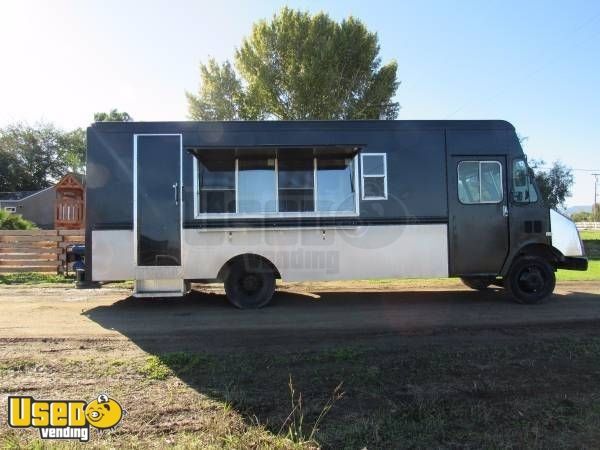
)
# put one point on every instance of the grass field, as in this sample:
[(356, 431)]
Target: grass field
[(523, 388)]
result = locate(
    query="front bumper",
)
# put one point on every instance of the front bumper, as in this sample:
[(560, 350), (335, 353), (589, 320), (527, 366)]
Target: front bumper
[(573, 263)]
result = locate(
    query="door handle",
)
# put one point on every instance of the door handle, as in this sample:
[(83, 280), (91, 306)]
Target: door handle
[(175, 186), (505, 210)]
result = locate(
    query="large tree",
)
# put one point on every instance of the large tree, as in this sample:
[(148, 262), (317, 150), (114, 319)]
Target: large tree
[(31, 155), (220, 96), (300, 66), (554, 182), (72, 147), (35, 157)]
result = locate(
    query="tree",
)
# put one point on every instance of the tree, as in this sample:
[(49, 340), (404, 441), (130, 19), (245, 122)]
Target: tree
[(35, 157), (300, 66), (112, 116), (32, 154), (220, 96), (72, 147), (554, 183), (582, 216)]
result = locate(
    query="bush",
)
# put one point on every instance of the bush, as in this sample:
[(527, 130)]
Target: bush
[(11, 221), (582, 217)]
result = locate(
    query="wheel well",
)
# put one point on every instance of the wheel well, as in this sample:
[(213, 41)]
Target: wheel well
[(250, 259), (552, 255)]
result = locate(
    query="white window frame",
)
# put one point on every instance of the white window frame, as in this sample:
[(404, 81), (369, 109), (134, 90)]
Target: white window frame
[(10, 209), (383, 175), (237, 215), (479, 166)]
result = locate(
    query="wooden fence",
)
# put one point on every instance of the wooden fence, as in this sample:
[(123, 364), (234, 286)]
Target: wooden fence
[(588, 225), (36, 250)]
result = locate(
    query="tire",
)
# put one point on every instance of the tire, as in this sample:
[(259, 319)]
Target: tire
[(530, 280), (250, 283), (478, 283)]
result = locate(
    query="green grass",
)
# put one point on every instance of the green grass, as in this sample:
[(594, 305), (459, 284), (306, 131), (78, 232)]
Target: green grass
[(155, 369), (40, 278), (34, 278), (591, 242), (589, 235), (592, 274)]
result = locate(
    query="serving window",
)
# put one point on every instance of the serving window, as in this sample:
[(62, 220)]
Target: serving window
[(291, 183), (216, 183)]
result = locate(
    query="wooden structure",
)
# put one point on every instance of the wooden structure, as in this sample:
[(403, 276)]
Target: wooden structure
[(37, 250), (70, 204)]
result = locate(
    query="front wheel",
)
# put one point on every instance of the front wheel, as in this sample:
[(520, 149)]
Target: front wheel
[(250, 284), (530, 280)]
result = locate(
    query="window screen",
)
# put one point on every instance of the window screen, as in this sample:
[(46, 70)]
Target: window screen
[(216, 185), (374, 176), (479, 182)]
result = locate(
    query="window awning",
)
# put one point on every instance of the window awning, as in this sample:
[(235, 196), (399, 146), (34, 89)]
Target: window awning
[(274, 151)]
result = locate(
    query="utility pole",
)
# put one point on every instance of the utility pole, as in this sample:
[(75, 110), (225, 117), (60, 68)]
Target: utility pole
[(595, 209)]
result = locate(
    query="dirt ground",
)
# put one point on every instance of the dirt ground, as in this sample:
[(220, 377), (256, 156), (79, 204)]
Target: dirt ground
[(420, 366), (303, 311)]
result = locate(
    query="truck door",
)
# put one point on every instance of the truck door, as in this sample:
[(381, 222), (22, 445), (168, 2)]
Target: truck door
[(478, 215), (157, 205)]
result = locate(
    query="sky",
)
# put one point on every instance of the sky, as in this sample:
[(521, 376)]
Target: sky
[(535, 64)]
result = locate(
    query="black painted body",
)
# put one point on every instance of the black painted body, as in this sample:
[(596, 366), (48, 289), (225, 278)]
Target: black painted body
[(421, 158)]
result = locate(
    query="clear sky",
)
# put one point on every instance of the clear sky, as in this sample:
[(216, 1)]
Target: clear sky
[(535, 63)]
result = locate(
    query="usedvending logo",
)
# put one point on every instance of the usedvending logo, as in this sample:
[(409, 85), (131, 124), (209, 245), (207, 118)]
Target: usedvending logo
[(64, 419)]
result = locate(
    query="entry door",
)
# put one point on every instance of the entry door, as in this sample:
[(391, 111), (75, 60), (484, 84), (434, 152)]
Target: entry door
[(157, 198), (478, 215)]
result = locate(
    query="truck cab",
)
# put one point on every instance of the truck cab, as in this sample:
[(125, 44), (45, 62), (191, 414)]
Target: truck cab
[(541, 240)]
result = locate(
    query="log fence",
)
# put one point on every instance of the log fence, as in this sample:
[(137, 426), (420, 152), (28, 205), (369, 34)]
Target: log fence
[(37, 250)]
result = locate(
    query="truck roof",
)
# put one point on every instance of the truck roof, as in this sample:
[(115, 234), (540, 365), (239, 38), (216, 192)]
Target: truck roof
[(279, 125)]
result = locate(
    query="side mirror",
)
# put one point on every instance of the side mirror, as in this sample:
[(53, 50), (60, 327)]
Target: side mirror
[(517, 196)]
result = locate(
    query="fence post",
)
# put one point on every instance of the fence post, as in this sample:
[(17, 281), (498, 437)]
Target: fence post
[(58, 254)]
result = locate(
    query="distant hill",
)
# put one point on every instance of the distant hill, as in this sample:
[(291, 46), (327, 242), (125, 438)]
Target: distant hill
[(580, 208)]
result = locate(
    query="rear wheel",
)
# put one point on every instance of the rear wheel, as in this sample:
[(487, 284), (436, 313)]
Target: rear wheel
[(250, 283), (478, 283), (530, 280)]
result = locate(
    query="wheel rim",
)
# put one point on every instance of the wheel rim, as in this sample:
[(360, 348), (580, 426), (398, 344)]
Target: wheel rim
[(250, 283), (531, 280)]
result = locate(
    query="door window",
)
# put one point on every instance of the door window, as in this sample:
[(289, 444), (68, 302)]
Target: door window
[(523, 188), (479, 182)]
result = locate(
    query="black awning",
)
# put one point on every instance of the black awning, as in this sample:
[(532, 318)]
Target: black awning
[(274, 151)]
